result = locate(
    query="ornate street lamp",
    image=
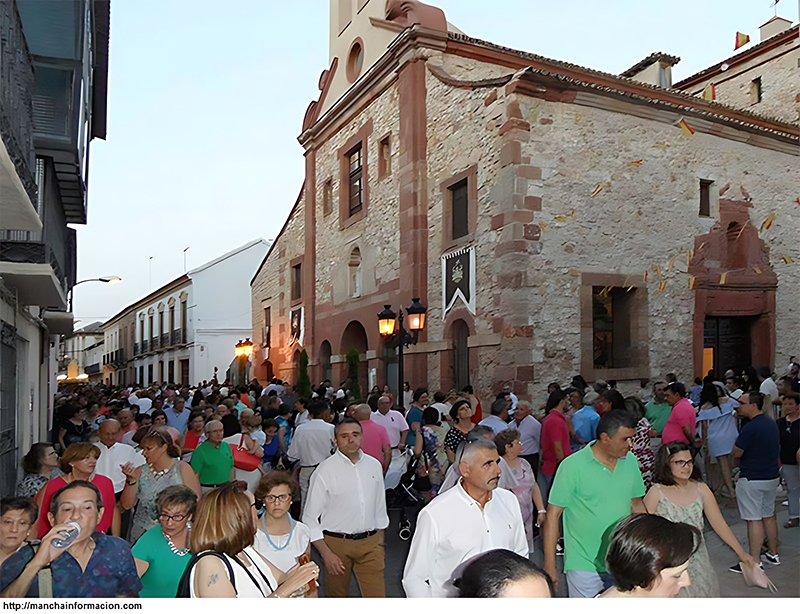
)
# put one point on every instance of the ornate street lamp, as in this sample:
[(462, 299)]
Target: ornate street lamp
[(244, 349), (386, 326)]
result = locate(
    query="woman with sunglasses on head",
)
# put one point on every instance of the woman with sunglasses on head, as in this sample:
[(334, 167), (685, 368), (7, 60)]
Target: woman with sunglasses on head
[(280, 538), (679, 495), (163, 468), (162, 553)]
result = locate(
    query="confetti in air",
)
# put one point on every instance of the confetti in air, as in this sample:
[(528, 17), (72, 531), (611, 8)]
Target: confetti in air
[(671, 264), (710, 93), (636, 163), (787, 259), (723, 278), (757, 270), (741, 40), (600, 187), (573, 216), (767, 224), (685, 128), (692, 282), (560, 218), (543, 227)]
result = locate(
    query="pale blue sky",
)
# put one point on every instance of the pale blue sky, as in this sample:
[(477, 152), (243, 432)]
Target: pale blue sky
[(206, 100)]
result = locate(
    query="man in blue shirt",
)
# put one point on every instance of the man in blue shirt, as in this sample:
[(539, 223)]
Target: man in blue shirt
[(585, 419), (758, 449), (95, 565)]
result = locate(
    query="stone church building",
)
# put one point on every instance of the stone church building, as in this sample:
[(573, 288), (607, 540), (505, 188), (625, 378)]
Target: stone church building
[(552, 218)]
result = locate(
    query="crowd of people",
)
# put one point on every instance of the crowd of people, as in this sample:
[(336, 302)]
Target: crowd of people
[(221, 491)]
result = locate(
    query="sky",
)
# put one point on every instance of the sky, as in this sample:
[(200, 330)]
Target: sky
[(206, 100)]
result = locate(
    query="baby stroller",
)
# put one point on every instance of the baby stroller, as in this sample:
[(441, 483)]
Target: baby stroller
[(403, 487)]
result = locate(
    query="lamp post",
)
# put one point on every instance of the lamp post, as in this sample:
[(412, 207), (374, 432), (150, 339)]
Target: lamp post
[(386, 326), (108, 279), (244, 349)]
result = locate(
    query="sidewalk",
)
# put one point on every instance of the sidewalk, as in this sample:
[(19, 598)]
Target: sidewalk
[(786, 576)]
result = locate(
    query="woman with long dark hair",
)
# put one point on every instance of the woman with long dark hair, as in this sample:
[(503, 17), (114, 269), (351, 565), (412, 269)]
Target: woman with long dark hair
[(680, 496)]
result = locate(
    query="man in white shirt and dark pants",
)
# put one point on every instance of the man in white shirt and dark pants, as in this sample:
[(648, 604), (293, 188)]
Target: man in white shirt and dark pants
[(312, 443), (473, 517), (394, 423), (346, 515)]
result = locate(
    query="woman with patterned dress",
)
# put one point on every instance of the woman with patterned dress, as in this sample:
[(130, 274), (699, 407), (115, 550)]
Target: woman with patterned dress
[(679, 495), (641, 440), (163, 468), (40, 464), (461, 413)]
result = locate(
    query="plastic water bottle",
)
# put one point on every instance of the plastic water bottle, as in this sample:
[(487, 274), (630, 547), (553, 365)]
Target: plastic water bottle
[(67, 535)]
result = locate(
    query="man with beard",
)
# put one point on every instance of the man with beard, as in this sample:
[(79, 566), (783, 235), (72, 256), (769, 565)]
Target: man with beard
[(473, 517)]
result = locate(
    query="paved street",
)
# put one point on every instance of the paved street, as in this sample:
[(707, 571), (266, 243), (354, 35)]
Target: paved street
[(786, 576)]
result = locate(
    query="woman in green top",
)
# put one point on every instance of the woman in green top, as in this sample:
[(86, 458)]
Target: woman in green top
[(162, 553)]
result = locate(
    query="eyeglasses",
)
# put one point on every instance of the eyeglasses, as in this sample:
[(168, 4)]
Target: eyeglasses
[(173, 518), (22, 524), (683, 463), (274, 498)]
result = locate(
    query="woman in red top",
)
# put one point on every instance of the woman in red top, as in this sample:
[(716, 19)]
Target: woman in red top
[(78, 463), (195, 434)]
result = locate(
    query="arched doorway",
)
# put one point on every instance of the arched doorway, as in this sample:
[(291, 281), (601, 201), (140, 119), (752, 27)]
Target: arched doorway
[(460, 333), (355, 337), (325, 353)]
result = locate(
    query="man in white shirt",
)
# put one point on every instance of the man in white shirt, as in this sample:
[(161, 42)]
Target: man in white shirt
[(346, 515), (394, 423), (113, 455), (473, 517), (312, 443), (497, 421), (530, 430)]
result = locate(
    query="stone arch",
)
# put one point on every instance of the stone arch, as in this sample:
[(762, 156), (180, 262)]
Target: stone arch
[(325, 353), (355, 273), (355, 336), (458, 362)]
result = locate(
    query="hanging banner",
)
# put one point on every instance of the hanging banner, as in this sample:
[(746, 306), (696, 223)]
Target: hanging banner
[(296, 335), (458, 279)]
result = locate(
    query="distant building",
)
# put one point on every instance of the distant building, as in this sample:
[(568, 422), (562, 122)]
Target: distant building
[(554, 219), (80, 354), (180, 332), (53, 96)]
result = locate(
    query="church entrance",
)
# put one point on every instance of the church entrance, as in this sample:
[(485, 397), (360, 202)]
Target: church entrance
[(726, 345)]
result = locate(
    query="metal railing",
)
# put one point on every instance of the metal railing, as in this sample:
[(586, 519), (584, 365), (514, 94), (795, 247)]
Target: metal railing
[(16, 106)]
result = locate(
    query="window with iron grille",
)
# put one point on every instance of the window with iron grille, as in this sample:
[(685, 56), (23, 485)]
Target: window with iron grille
[(356, 189)]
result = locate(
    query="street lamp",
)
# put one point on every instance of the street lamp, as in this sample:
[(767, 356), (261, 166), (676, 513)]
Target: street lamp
[(386, 326), (108, 279), (244, 349)]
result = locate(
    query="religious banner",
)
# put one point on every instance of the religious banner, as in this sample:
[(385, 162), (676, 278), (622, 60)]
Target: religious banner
[(458, 279), (296, 322)]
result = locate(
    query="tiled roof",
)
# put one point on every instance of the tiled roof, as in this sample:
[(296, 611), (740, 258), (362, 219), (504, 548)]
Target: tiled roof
[(739, 57), (646, 91), (658, 56)]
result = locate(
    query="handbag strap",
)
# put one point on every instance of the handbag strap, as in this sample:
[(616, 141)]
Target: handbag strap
[(261, 573), (45, 575)]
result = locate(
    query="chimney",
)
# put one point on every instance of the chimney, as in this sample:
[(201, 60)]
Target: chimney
[(655, 69), (774, 26)]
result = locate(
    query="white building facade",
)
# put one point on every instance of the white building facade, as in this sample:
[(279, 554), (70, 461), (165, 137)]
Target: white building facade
[(185, 329)]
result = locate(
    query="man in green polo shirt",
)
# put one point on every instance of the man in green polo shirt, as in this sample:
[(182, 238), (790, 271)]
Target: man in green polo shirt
[(594, 489), (212, 461)]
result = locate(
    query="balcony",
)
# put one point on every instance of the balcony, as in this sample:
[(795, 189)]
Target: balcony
[(17, 183), (91, 369), (154, 344), (178, 337), (41, 266), (63, 37), (164, 340), (144, 346), (135, 349)]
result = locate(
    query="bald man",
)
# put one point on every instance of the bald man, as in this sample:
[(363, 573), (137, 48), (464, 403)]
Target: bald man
[(113, 455), (375, 440)]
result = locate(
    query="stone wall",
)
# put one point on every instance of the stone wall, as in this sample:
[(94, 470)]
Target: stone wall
[(271, 288), (780, 83)]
